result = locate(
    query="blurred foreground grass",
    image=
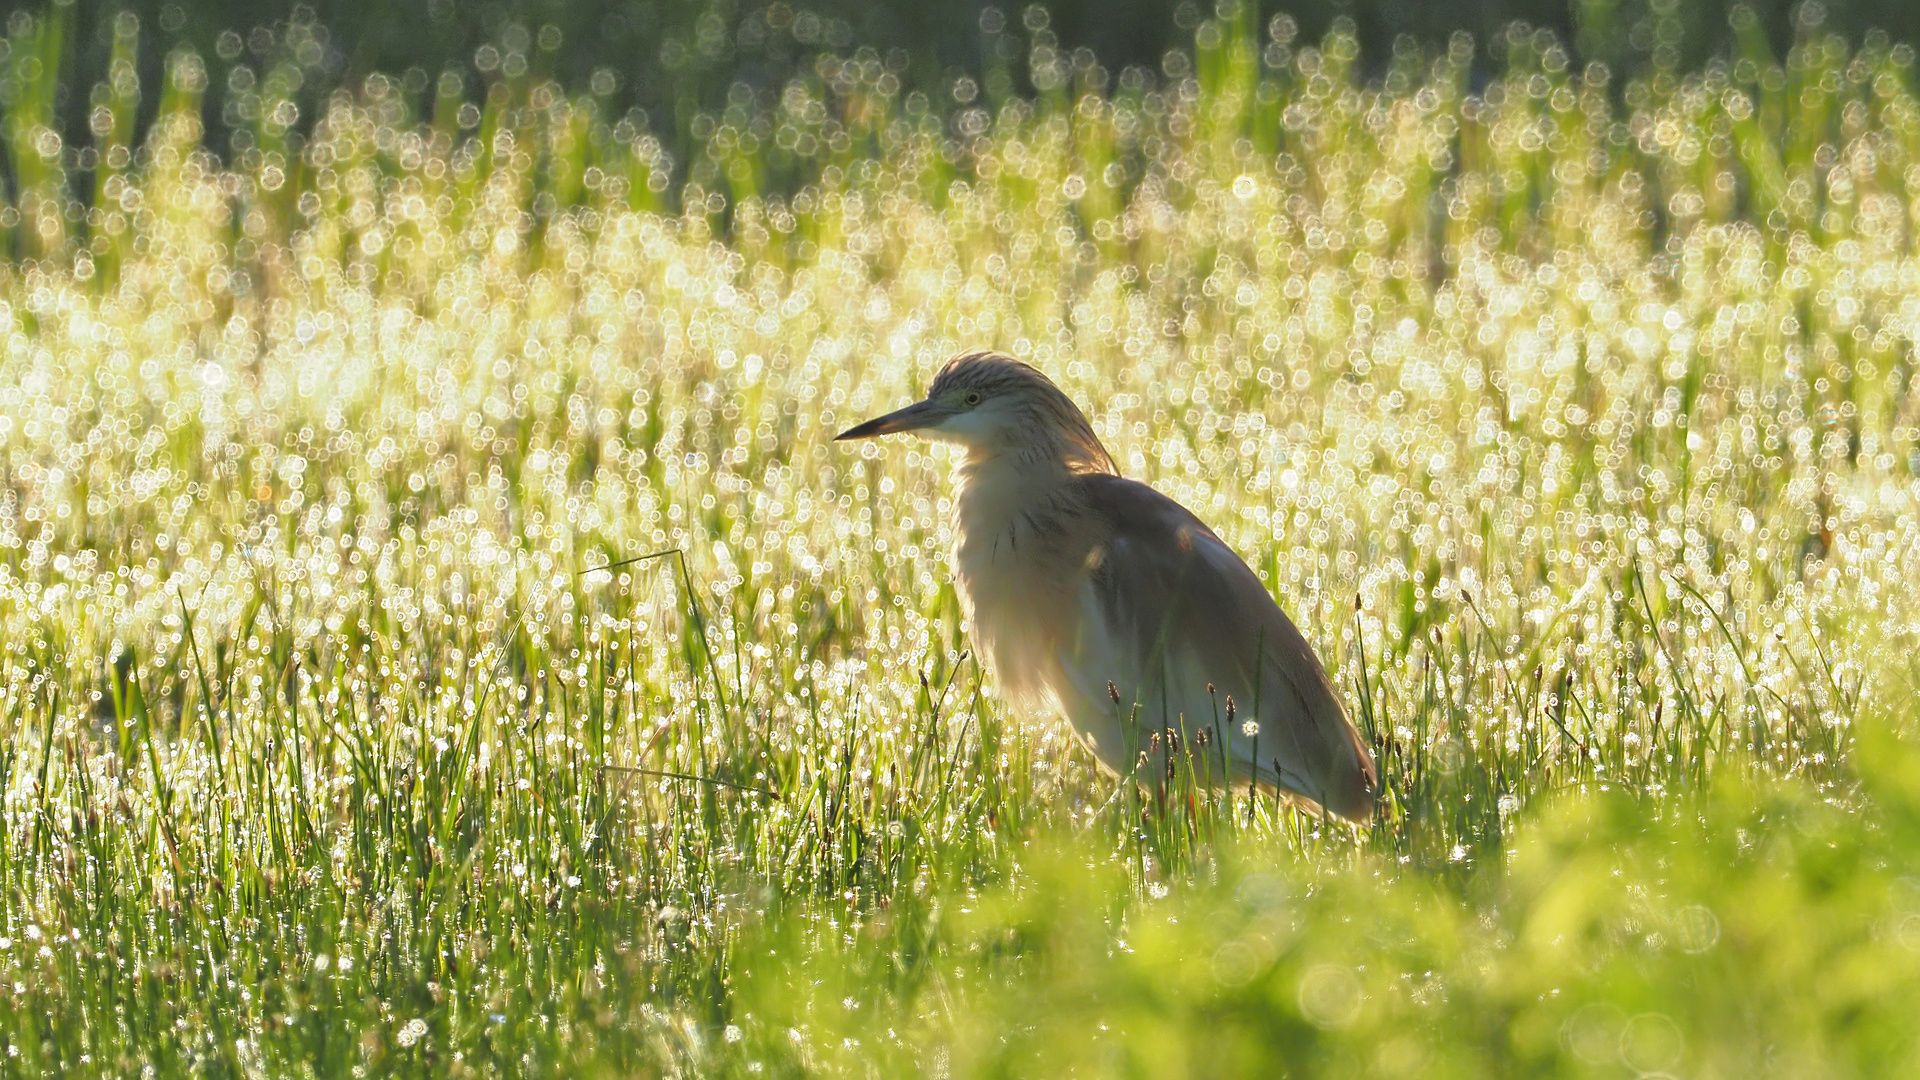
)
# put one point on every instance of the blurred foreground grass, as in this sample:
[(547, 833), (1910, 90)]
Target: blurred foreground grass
[(355, 722)]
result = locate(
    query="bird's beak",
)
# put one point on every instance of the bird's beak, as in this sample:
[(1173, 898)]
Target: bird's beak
[(920, 414)]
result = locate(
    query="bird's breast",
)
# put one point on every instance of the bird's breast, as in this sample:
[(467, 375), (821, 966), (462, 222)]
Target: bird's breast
[(1019, 615), (1019, 559)]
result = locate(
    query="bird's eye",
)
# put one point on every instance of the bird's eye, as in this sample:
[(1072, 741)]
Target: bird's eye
[(973, 397)]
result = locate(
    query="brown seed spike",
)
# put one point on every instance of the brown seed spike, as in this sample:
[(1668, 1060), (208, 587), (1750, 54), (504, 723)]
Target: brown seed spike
[(1229, 710), (1113, 692)]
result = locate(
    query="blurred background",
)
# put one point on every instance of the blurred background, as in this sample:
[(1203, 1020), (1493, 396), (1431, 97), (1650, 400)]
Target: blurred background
[(673, 59)]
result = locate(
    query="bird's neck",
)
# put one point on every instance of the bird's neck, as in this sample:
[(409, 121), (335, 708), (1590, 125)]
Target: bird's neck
[(997, 487)]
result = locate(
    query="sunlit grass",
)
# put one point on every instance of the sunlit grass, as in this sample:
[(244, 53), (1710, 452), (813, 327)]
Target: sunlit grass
[(1576, 424)]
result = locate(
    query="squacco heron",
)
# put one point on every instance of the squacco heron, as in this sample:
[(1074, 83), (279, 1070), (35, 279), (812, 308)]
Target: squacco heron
[(1103, 598)]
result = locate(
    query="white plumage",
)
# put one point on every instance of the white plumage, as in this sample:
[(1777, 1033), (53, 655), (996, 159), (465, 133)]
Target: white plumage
[(1075, 578)]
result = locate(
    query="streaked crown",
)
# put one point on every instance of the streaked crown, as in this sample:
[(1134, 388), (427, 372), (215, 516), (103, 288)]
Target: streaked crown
[(1021, 389)]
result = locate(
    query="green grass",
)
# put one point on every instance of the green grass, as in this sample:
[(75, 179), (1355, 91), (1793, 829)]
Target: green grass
[(1576, 422)]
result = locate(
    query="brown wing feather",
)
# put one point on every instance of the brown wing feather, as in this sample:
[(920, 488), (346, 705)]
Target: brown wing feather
[(1206, 607)]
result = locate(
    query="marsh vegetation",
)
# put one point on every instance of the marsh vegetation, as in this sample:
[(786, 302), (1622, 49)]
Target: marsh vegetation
[(438, 637)]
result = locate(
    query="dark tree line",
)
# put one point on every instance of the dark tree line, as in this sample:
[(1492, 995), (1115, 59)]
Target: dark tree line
[(673, 59)]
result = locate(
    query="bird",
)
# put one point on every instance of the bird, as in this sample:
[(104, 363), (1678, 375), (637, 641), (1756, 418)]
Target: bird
[(1102, 599)]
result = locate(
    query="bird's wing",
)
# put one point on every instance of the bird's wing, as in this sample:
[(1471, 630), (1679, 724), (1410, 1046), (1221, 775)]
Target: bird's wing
[(1167, 611)]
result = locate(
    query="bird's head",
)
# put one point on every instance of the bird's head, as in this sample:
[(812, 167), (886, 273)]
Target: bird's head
[(988, 403)]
